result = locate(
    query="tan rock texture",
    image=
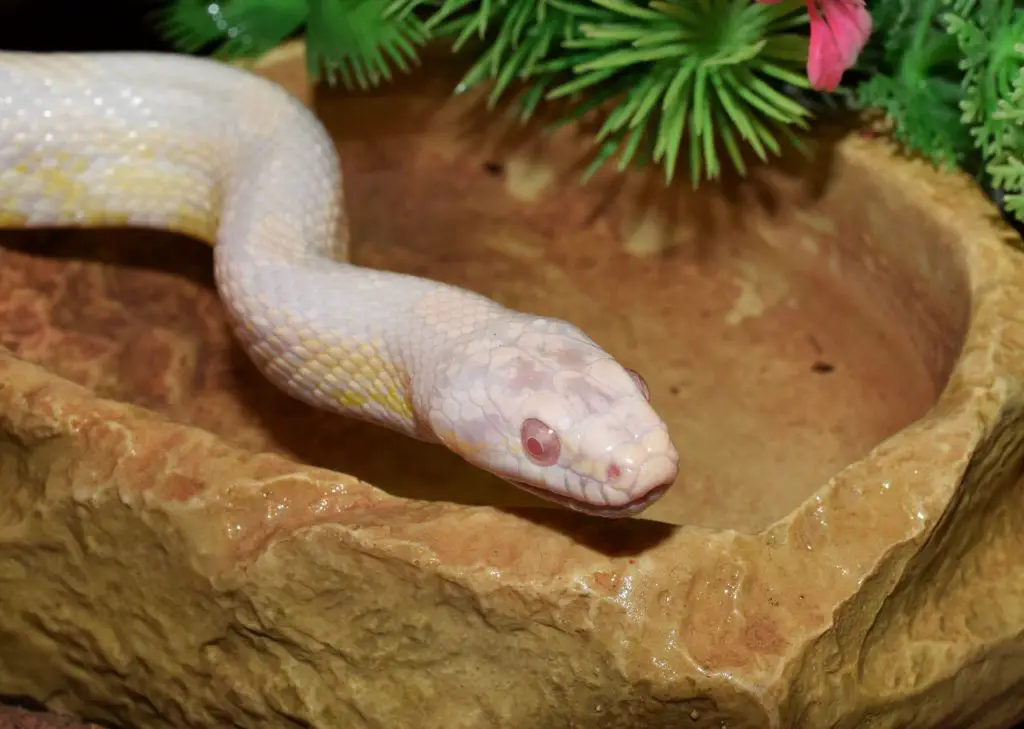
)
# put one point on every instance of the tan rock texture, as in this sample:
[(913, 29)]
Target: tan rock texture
[(837, 343)]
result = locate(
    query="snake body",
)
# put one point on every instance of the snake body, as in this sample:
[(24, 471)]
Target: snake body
[(216, 152)]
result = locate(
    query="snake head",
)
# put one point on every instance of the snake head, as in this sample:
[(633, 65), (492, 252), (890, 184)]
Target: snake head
[(542, 406)]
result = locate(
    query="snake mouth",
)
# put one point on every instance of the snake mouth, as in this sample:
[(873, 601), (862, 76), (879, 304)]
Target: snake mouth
[(623, 511)]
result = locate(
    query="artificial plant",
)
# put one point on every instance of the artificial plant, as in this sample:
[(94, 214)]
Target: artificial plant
[(710, 79), (949, 76)]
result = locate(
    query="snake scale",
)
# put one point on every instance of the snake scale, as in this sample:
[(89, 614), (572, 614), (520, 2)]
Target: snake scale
[(202, 148)]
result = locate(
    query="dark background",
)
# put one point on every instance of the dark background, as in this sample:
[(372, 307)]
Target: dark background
[(79, 25)]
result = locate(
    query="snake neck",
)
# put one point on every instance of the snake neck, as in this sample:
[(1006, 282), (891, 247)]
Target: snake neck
[(385, 362)]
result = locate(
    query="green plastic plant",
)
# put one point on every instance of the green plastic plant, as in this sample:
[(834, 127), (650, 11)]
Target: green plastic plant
[(990, 34), (705, 81), (949, 75), (913, 76), (706, 72)]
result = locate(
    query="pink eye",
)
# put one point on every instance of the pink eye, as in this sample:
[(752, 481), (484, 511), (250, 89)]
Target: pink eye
[(640, 383), (540, 443)]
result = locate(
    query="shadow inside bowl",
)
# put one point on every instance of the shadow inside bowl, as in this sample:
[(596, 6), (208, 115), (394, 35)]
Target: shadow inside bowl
[(786, 323)]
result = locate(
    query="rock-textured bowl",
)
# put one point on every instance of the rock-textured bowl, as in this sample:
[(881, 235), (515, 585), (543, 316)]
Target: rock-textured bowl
[(836, 341)]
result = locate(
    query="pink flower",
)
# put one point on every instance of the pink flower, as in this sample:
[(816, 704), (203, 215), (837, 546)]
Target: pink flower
[(839, 30)]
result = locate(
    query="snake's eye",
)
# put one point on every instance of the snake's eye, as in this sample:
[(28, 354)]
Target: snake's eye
[(640, 383), (540, 443)]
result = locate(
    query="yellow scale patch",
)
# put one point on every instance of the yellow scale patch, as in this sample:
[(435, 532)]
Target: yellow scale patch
[(452, 440), (58, 182), (383, 384), (9, 218), (58, 176)]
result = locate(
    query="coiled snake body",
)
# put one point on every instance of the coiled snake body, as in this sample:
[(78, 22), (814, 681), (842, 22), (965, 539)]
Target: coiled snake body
[(199, 147)]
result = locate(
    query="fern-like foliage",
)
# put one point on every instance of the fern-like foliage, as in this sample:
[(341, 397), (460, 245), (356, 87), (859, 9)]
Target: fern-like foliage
[(1007, 162), (990, 34)]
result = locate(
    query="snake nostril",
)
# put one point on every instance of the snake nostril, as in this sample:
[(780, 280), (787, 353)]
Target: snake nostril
[(614, 472)]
